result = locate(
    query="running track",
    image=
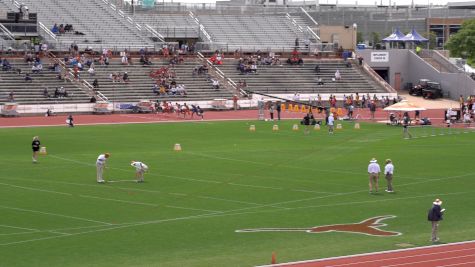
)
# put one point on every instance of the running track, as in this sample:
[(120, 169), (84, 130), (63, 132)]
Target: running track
[(26, 121), (448, 255)]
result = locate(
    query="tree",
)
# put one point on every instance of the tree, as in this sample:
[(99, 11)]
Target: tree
[(432, 36), (462, 44), (376, 38), (359, 38)]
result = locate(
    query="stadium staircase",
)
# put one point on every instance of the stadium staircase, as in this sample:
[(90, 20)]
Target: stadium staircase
[(32, 92), (287, 79), (102, 28)]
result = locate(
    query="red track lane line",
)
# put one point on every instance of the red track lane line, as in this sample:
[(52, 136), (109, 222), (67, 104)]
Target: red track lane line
[(379, 259)]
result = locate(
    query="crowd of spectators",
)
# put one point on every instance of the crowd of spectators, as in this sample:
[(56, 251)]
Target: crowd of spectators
[(62, 29)]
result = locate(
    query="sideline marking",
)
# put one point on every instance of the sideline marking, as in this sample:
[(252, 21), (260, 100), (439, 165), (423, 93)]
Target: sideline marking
[(370, 254), (369, 226)]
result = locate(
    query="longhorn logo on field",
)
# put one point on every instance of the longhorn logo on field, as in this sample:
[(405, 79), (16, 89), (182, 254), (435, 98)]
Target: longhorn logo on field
[(367, 227)]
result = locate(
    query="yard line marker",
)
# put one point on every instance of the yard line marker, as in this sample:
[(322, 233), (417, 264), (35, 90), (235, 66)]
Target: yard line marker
[(54, 214), (229, 200), (36, 189), (257, 186), (16, 227)]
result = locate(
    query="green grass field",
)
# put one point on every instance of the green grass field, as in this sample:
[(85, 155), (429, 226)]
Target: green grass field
[(226, 178)]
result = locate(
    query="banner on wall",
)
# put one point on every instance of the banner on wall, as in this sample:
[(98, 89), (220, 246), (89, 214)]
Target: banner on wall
[(379, 56)]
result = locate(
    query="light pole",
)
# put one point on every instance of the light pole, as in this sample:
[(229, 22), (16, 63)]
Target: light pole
[(354, 36)]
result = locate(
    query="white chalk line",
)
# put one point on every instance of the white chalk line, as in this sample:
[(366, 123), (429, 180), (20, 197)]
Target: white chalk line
[(54, 214), (427, 261), (206, 215), (36, 189), (16, 227)]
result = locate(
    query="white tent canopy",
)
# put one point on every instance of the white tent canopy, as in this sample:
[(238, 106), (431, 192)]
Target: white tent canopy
[(404, 105)]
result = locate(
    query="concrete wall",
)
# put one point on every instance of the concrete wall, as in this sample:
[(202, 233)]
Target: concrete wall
[(413, 68), (345, 36)]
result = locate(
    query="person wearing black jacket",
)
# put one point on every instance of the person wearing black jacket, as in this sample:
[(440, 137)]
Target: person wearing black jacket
[(35, 145), (435, 216)]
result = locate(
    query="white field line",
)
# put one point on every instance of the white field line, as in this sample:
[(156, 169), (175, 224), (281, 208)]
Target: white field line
[(54, 214), (472, 263), (229, 200), (37, 189), (126, 225), (16, 227), (145, 204), (354, 256)]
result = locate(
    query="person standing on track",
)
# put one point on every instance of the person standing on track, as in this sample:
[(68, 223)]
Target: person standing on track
[(100, 165), (435, 216), (373, 171), (140, 169), (35, 145), (330, 123)]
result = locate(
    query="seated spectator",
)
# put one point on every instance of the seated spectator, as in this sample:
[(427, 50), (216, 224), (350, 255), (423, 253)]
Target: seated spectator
[(55, 29), (6, 65), (91, 71), (93, 99), (29, 58), (215, 84), (337, 75), (45, 93), (156, 89), (125, 60), (11, 97), (173, 90), (253, 68), (181, 89), (95, 83), (56, 93), (125, 77), (317, 68), (68, 28), (348, 64), (145, 60), (36, 68), (80, 66), (320, 81), (61, 29), (163, 90), (28, 78)]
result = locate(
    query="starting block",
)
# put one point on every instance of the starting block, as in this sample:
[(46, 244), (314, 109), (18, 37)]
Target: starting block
[(357, 125), (275, 127), (317, 127), (339, 126), (295, 127), (296, 108), (177, 147), (43, 150), (282, 107), (252, 128)]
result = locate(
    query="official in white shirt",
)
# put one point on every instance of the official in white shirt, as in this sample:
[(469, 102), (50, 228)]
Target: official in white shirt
[(100, 165), (388, 172), (140, 169), (373, 171), (330, 123)]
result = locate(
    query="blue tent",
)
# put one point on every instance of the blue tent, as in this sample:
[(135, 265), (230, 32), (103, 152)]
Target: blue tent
[(414, 36), (396, 36)]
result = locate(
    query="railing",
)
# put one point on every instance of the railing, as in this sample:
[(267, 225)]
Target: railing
[(378, 78), (202, 28), (442, 60), (7, 33), (47, 31), (308, 15), (154, 33), (313, 33), (122, 14), (221, 75), (306, 28)]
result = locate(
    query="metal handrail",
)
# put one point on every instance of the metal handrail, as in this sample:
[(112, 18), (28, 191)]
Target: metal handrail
[(221, 74), (8, 33), (308, 15), (48, 31), (378, 78), (201, 26), (154, 32)]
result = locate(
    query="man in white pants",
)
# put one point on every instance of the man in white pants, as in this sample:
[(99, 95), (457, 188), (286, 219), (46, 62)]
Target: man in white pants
[(140, 169), (100, 165)]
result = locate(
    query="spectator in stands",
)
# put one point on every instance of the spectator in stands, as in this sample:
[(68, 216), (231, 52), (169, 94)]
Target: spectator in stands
[(253, 68), (156, 89), (337, 75), (317, 68), (68, 28), (11, 97), (145, 60), (91, 71), (29, 58), (95, 83), (320, 81), (6, 65), (125, 78), (181, 89), (28, 79), (360, 60), (61, 29), (215, 84), (45, 92), (93, 99)]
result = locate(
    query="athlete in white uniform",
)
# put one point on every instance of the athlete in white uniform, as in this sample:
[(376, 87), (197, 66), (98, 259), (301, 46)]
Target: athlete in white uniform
[(140, 169), (100, 165)]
